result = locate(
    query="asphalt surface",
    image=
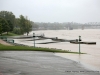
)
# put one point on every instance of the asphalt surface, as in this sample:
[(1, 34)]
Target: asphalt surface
[(39, 63)]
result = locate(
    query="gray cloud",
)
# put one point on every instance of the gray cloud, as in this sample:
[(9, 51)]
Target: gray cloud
[(55, 10)]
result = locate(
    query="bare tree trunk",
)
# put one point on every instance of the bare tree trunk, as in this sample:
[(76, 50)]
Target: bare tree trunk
[(27, 34)]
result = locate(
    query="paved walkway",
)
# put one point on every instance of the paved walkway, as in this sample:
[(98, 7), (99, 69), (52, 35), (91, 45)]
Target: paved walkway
[(39, 63), (4, 43)]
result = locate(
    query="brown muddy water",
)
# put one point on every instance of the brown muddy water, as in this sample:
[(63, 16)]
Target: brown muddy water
[(90, 60)]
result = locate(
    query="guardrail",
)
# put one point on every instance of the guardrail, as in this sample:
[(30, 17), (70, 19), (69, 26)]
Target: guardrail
[(7, 39), (3, 37)]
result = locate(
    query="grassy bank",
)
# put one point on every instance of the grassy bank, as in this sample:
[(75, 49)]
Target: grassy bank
[(9, 34), (26, 48)]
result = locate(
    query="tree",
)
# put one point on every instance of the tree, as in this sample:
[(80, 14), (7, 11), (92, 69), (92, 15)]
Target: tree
[(8, 16), (19, 25), (4, 25), (22, 24), (0, 28), (28, 27), (10, 25), (25, 25)]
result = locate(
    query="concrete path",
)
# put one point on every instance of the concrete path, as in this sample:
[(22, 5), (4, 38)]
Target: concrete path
[(39, 63), (4, 43)]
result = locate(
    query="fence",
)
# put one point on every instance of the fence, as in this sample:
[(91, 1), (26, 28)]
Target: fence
[(4, 38)]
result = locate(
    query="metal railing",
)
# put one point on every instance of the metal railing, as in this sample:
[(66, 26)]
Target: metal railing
[(4, 38)]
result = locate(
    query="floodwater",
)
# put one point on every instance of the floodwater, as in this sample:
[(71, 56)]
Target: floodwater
[(90, 60)]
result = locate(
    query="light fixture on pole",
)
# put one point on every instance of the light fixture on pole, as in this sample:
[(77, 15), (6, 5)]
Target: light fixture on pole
[(79, 44), (34, 38)]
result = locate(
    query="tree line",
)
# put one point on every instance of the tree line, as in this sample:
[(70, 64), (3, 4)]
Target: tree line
[(9, 23), (64, 25), (57, 25)]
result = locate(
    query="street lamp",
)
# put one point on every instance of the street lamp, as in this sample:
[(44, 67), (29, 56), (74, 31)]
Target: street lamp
[(34, 38), (79, 44)]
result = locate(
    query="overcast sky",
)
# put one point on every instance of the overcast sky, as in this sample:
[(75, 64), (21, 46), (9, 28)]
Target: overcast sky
[(81, 11)]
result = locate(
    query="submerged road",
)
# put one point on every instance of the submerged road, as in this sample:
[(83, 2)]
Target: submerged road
[(39, 63)]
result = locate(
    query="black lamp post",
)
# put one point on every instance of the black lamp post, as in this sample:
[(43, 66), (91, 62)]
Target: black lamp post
[(79, 44), (34, 38)]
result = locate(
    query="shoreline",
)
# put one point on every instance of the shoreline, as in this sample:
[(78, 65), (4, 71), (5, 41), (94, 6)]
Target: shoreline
[(89, 35), (22, 47), (85, 65), (78, 60)]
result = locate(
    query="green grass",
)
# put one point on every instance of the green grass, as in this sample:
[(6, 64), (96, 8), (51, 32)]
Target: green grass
[(26, 48), (9, 34)]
